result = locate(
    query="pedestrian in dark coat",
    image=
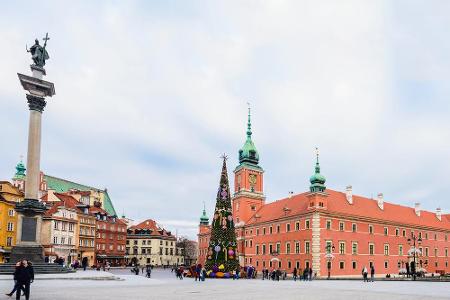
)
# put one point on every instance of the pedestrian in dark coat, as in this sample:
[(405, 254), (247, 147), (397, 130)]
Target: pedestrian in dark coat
[(24, 276), (310, 273), (294, 274), (372, 273), (364, 274), (305, 274), (16, 285), (84, 263)]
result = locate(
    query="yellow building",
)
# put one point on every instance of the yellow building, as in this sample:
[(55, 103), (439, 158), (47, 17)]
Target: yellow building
[(9, 196)]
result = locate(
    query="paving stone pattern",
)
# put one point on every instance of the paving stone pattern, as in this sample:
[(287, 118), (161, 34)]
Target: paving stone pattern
[(164, 285)]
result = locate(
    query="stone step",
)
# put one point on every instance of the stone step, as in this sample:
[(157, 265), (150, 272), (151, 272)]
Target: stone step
[(39, 268)]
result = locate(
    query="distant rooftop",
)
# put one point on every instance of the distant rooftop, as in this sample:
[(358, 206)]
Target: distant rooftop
[(62, 186)]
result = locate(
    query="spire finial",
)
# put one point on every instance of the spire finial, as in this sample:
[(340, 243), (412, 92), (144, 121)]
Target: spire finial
[(317, 155), (204, 207), (249, 122), (21, 157), (317, 160)]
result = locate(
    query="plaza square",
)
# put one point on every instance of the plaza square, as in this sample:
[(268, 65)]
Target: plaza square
[(257, 149)]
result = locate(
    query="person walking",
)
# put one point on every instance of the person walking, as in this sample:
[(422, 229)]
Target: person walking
[(305, 274), (372, 273), (364, 274), (203, 273), (310, 274), (16, 285), (23, 277), (149, 271), (84, 263), (198, 269), (294, 274)]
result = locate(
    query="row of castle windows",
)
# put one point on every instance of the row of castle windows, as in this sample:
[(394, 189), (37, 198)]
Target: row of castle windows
[(262, 231), (289, 265), (354, 228), (341, 248)]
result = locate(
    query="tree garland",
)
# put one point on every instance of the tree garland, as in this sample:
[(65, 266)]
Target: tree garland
[(222, 250)]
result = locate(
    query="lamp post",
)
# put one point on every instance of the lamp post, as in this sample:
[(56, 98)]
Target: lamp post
[(329, 256), (413, 241)]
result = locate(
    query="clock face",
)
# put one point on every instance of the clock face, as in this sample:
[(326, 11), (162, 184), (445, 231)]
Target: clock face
[(252, 178)]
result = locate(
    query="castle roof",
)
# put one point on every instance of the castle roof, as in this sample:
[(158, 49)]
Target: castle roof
[(361, 207)]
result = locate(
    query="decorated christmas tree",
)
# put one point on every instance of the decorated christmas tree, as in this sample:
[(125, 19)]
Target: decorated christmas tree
[(222, 258)]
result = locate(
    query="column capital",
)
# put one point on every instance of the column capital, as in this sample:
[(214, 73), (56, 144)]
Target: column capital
[(36, 103)]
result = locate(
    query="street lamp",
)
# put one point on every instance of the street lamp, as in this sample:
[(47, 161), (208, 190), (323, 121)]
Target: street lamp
[(329, 256), (413, 241)]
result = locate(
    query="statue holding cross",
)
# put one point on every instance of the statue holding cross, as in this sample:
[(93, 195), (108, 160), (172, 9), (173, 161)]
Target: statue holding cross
[(38, 53)]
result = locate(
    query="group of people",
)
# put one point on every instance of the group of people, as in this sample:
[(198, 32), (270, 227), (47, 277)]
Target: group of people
[(365, 274), (179, 272), (147, 268), (23, 277), (199, 273), (84, 264), (305, 274)]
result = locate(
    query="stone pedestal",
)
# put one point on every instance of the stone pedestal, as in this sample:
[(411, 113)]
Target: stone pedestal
[(30, 210)]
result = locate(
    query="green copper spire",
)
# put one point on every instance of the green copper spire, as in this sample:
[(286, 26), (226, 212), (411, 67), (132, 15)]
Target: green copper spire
[(20, 171), (204, 220), (317, 180), (248, 152)]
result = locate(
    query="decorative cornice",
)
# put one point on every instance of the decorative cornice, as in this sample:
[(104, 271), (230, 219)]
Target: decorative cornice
[(246, 193), (36, 103)]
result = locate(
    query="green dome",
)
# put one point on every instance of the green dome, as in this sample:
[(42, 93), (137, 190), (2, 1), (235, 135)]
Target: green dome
[(204, 220), (317, 180), (248, 152), (20, 171)]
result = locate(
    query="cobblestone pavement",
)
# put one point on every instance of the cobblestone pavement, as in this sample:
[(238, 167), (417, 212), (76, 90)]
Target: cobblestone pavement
[(164, 285)]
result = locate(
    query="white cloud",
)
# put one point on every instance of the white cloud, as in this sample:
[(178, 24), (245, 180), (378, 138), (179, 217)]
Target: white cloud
[(149, 95)]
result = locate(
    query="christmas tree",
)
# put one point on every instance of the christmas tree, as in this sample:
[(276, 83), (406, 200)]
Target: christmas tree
[(222, 254)]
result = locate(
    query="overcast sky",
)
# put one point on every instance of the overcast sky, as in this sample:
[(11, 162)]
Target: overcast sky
[(149, 94)]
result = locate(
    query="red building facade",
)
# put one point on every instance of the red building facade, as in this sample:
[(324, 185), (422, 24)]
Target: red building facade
[(301, 230), (110, 238)]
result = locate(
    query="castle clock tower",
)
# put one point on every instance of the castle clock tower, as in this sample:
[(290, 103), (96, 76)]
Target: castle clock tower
[(248, 181)]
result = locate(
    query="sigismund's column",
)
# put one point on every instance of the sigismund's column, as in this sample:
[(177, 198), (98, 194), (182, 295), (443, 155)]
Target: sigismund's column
[(30, 210)]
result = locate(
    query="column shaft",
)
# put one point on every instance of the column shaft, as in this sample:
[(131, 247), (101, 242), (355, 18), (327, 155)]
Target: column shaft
[(34, 155)]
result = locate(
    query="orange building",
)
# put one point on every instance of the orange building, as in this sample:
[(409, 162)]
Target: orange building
[(328, 230)]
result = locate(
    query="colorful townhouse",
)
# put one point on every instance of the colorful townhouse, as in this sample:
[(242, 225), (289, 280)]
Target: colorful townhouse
[(111, 236), (149, 244), (9, 196)]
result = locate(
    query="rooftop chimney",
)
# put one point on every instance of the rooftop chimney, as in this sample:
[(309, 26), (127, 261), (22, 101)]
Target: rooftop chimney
[(290, 194), (380, 200), (439, 213), (417, 208), (349, 194), (51, 195)]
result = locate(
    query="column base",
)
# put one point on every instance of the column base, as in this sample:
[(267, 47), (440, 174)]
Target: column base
[(33, 253)]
